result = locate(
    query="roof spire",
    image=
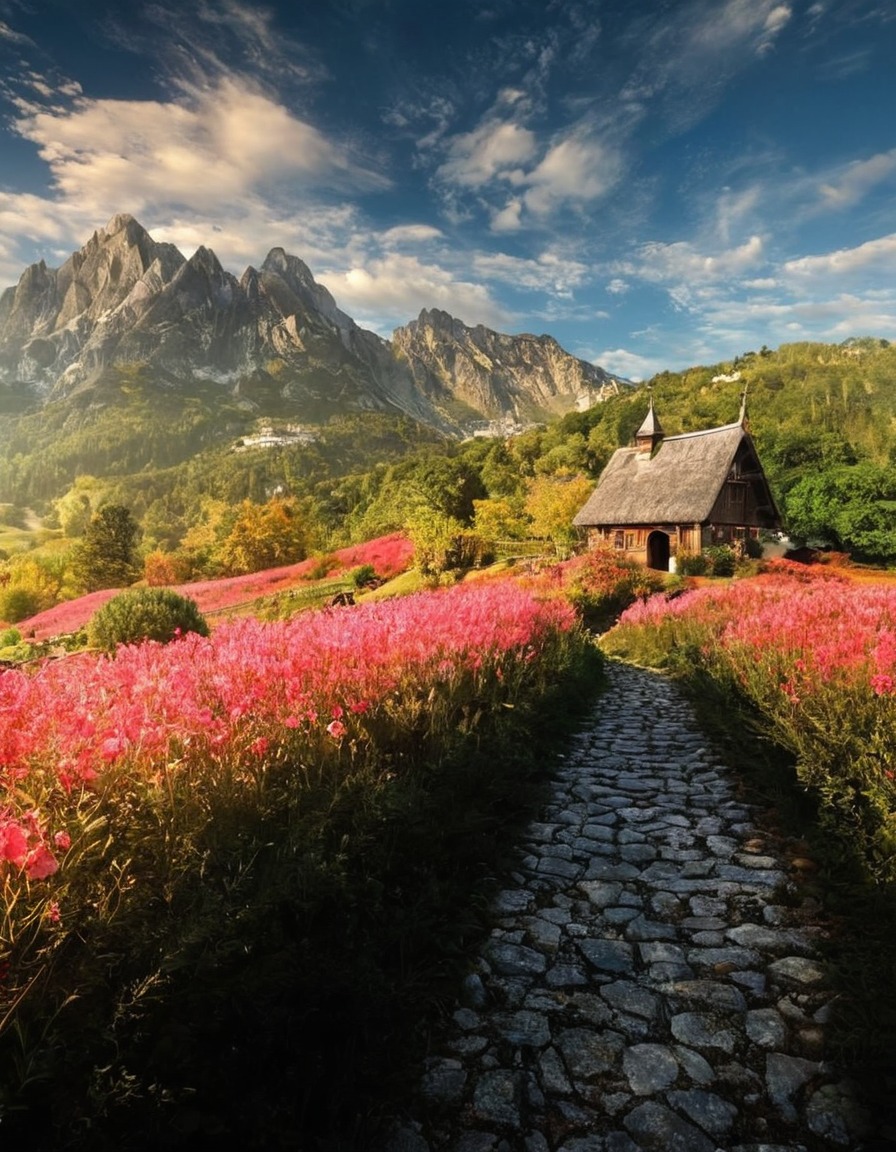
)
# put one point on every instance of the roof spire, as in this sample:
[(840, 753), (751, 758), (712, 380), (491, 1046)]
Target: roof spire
[(651, 431)]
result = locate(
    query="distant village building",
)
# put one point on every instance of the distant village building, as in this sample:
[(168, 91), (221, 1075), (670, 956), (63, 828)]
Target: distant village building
[(671, 495), (268, 437)]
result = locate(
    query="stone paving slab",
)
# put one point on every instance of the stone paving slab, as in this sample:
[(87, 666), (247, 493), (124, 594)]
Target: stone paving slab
[(653, 982)]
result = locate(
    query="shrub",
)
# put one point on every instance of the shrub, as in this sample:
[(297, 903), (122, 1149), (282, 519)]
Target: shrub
[(163, 568), (601, 584), (722, 560), (18, 603), (144, 614), (323, 566), (363, 575), (692, 563), (10, 637)]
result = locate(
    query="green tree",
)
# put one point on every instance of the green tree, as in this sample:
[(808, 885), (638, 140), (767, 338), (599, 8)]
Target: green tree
[(449, 487), (551, 502), (852, 506), (107, 555), (265, 536)]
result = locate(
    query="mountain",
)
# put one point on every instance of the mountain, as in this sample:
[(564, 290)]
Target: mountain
[(273, 339), (522, 377)]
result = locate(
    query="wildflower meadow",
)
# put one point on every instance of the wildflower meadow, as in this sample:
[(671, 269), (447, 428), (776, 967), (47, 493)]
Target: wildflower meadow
[(236, 842)]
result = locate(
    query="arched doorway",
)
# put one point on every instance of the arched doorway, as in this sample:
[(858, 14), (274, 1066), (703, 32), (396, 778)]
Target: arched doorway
[(658, 551)]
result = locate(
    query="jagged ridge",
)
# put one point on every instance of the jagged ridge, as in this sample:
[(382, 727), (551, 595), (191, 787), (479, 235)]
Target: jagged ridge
[(125, 298)]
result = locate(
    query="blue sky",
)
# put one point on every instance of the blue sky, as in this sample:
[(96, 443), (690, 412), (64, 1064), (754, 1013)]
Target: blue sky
[(656, 184)]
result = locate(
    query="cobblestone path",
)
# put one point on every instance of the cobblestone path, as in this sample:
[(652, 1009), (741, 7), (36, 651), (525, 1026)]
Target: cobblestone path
[(650, 984)]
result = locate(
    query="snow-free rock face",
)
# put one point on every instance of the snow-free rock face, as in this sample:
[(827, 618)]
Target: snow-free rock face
[(126, 299), (524, 376)]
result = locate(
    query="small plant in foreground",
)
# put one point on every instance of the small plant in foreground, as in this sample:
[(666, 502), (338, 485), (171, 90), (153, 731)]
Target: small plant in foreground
[(144, 614)]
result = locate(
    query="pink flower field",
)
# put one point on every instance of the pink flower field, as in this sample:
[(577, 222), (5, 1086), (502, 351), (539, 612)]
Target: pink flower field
[(244, 696), (819, 626), (389, 556)]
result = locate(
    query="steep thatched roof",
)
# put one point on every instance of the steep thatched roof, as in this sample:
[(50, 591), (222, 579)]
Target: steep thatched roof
[(678, 484)]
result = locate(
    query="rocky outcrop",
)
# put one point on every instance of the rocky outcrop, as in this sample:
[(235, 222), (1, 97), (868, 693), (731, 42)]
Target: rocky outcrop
[(272, 333)]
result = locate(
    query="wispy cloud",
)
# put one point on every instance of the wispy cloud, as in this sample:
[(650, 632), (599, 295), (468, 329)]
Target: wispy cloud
[(210, 41), (852, 183), (11, 36), (218, 156), (551, 272), (682, 266), (687, 56)]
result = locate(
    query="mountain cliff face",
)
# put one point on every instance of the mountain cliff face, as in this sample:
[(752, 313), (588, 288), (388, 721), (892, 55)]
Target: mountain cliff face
[(523, 377), (272, 335)]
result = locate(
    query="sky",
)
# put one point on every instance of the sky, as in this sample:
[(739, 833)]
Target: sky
[(655, 183)]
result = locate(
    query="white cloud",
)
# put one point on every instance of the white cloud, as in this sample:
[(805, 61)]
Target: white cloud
[(875, 256), (629, 365), (682, 264), (617, 287), (385, 292), (409, 234), (508, 218), (13, 37), (577, 168), (129, 155), (854, 182), (216, 169), (549, 272), (494, 149)]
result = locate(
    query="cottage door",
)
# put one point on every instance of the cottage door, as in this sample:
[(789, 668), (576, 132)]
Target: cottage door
[(658, 551)]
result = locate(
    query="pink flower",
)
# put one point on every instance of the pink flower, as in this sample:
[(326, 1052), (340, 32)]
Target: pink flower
[(359, 707), (337, 729), (63, 841), (337, 712), (882, 684), (53, 912), (40, 863), (260, 746), (113, 747), (13, 843)]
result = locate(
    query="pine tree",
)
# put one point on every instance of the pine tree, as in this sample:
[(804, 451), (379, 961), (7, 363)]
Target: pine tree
[(107, 556)]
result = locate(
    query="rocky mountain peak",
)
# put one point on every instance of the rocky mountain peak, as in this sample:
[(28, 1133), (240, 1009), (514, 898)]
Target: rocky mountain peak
[(275, 332), (524, 377)]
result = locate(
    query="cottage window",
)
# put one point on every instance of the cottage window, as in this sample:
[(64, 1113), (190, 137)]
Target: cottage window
[(619, 539), (629, 541), (736, 496)]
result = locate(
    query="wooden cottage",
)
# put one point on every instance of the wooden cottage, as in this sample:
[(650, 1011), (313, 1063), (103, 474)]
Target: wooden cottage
[(669, 495)]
